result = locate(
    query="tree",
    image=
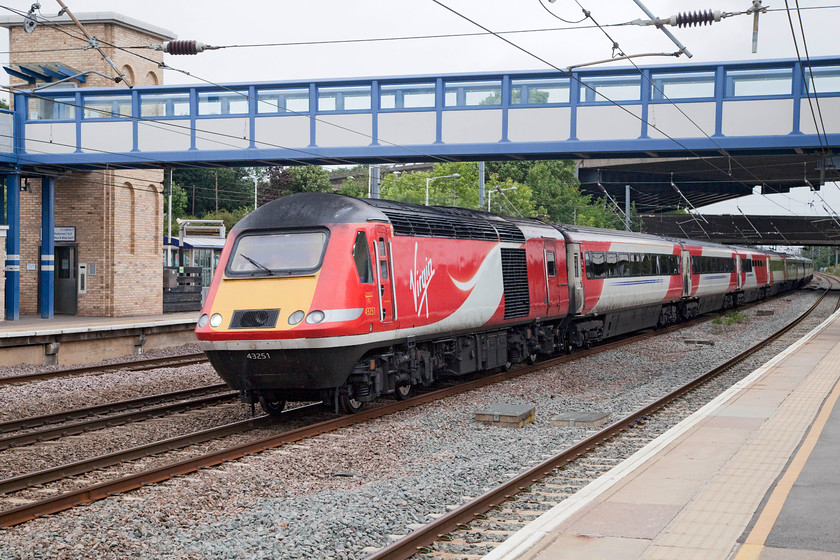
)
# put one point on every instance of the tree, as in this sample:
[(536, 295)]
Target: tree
[(179, 202), (229, 217), (556, 193), (283, 181), (235, 188)]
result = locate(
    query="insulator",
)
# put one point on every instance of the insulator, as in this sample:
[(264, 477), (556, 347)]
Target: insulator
[(695, 18), (183, 47)]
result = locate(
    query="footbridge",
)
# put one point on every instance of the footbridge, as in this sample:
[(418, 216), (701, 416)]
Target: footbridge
[(673, 110)]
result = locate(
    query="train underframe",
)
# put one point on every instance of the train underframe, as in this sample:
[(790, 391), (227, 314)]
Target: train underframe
[(399, 368)]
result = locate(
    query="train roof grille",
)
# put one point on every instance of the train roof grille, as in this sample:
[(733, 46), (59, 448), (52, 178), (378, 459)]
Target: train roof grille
[(509, 232), (421, 225)]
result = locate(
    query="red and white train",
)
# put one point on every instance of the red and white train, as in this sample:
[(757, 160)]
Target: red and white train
[(328, 297)]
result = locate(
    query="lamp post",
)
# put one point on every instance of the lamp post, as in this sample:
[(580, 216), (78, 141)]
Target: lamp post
[(498, 189), (430, 179)]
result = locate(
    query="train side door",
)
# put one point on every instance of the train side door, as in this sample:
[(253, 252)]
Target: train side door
[(552, 277), (686, 273), (384, 276), (574, 271), (740, 273)]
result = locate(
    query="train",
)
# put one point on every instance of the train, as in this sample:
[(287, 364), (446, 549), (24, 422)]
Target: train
[(325, 297)]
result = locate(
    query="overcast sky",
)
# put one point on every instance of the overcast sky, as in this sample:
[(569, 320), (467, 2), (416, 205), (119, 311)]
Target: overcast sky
[(252, 30)]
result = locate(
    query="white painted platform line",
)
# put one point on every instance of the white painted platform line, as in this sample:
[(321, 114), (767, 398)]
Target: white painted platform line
[(527, 537)]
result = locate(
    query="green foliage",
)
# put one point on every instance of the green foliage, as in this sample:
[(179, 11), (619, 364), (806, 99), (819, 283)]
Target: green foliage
[(454, 191), (730, 319), (4, 104), (179, 202), (283, 181), (556, 193), (230, 217), (235, 188)]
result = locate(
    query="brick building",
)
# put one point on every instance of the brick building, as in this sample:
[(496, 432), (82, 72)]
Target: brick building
[(109, 224)]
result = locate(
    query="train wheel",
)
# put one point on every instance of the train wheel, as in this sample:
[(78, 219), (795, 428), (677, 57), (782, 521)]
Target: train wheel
[(350, 405), (403, 392), (272, 405), (532, 358)]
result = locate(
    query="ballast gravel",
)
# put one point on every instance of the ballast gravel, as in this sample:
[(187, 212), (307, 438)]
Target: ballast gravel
[(340, 495)]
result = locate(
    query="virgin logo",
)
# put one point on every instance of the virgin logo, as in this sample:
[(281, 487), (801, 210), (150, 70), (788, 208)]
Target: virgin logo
[(419, 283)]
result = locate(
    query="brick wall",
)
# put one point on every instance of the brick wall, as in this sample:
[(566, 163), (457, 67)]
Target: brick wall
[(118, 215), (58, 38)]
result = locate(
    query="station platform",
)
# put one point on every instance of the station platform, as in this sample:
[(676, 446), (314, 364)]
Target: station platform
[(755, 474), (72, 340)]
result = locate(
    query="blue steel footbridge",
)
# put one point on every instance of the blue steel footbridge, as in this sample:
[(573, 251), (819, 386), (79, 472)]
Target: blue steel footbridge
[(663, 111)]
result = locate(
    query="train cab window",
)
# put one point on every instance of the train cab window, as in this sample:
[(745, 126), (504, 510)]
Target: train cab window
[(277, 253), (361, 256), (550, 265)]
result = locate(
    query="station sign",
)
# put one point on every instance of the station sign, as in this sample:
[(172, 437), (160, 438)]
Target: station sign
[(64, 234)]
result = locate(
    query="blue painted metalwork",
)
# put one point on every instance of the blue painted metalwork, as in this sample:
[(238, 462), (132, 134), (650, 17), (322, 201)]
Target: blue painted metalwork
[(209, 116), (13, 247), (46, 295)]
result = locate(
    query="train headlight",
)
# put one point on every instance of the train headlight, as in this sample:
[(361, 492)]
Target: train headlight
[(203, 320), (296, 317), (315, 317), (215, 320)]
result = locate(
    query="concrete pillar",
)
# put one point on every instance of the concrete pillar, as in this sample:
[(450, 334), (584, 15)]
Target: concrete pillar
[(13, 247), (46, 297)]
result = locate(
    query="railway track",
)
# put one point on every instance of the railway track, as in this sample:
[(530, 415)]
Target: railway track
[(109, 421), (134, 365), (475, 528), (107, 408), (66, 500)]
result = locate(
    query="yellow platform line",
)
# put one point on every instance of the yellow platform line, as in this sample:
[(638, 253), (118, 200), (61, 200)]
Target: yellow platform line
[(754, 543)]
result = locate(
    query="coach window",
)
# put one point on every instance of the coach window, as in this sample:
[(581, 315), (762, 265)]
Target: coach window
[(612, 267), (595, 265), (623, 265), (361, 256), (746, 265), (635, 264), (647, 264), (549, 263)]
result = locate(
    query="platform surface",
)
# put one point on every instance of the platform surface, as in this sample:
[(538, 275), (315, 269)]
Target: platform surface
[(65, 324), (753, 475)]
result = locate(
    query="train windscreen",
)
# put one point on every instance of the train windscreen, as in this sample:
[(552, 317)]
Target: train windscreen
[(277, 253)]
